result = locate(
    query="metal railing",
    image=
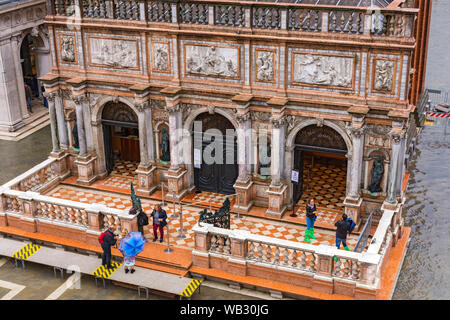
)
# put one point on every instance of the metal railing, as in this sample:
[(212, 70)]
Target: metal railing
[(364, 236)]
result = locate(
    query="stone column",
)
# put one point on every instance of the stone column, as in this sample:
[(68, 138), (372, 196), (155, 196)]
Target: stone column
[(11, 118), (356, 165), (62, 132), (87, 124), (84, 162), (175, 177), (401, 166), (145, 170), (53, 125), (15, 51), (396, 138), (243, 183), (277, 190), (78, 100)]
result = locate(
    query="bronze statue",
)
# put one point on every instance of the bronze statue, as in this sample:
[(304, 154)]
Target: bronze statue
[(165, 146), (377, 175)]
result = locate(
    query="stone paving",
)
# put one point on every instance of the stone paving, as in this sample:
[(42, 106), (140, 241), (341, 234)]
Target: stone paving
[(275, 229)]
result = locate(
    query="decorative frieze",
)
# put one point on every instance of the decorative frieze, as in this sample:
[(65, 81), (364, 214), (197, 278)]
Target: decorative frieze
[(384, 75), (265, 65), (212, 60), (161, 56), (118, 53), (322, 69)]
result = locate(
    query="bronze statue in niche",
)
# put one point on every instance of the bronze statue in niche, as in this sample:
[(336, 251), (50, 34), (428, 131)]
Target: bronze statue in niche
[(376, 175)]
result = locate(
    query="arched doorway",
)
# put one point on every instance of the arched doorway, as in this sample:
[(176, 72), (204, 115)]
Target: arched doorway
[(215, 158), (120, 136), (321, 163), (29, 70)]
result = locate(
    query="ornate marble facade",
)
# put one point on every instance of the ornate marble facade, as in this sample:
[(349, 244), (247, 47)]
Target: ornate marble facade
[(257, 81)]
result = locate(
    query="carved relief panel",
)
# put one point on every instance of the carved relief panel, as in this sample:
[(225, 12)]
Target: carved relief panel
[(324, 69), (265, 65), (212, 60), (68, 50), (385, 75), (161, 59), (118, 53)]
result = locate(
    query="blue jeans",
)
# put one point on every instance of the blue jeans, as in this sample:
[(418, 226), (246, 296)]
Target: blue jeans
[(310, 222), (338, 242)]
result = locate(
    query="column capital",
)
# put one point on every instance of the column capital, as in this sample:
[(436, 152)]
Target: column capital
[(141, 106), (397, 136), (242, 118), (50, 96), (79, 99), (277, 122), (173, 109)]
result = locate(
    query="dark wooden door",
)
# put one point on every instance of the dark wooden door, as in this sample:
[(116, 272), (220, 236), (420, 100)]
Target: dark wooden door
[(218, 177)]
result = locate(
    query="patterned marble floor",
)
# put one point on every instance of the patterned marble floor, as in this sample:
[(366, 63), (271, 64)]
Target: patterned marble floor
[(275, 229), (217, 199), (125, 168), (327, 185)]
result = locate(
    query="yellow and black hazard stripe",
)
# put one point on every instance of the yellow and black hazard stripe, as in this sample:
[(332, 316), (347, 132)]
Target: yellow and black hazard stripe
[(104, 272), (191, 287), (27, 251)]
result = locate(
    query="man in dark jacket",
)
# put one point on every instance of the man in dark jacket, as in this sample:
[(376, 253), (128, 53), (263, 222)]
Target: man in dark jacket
[(142, 220), (159, 221), (109, 240), (342, 227)]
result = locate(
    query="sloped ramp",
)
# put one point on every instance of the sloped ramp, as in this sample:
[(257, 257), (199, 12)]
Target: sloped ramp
[(145, 278)]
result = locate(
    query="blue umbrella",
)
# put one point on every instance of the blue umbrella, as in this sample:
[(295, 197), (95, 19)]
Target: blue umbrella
[(132, 244)]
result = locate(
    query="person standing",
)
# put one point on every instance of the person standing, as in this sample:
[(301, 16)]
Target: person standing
[(342, 227), (28, 97), (128, 261), (142, 221), (107, 240), (310, 220), (159, 221)]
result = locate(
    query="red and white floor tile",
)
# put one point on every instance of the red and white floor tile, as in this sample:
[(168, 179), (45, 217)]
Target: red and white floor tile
[(125, 168), (279, 230), (217, 199)]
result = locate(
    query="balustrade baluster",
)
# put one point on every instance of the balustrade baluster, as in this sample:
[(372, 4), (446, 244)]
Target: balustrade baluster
[(316, 21), (251, 251), (391, 25), (312, 262), (276, 257), (355, 270), (385, 25), (337, 267), (294, 259), (350, 24), (308, 20), (359, 23), (286, 257), (303, 260), (342, 22), (346, 269), (260, 252), (227, 246)]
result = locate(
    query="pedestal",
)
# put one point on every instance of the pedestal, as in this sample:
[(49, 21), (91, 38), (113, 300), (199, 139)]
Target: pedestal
[(175, 181), (277, 200), (146, 180), (243, 201), (353, 210), (86, 172)]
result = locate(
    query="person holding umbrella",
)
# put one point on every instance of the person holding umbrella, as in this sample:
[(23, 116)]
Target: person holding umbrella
[(130, 246)]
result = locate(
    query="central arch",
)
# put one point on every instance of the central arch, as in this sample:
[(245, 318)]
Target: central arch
[(214, 150)]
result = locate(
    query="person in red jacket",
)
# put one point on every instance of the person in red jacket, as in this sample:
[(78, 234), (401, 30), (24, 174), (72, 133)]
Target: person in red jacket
[(109, 239)]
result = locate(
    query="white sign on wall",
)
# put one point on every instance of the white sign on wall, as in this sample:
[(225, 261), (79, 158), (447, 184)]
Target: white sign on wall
[(294, 176), (197, 158)]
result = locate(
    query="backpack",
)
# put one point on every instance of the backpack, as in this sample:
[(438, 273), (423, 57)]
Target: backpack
[(352, 225), (101, 237), (142, 219)]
